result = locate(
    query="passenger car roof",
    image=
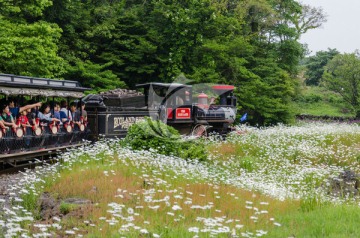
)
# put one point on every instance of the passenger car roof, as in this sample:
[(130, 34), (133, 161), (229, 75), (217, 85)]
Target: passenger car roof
[(32, 86), (163, 85)]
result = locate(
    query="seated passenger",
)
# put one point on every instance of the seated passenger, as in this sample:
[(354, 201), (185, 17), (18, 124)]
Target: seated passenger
[(42, 114), (64, 111), (57, 112), (8, 119), (80, 116), (31, 115), (24, 122), (15, 110), (80, 112), (23, 119), (72, 111), (35, 123), (2, 125)]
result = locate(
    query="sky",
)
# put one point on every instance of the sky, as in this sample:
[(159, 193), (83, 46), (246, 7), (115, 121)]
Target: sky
[(342, 29)]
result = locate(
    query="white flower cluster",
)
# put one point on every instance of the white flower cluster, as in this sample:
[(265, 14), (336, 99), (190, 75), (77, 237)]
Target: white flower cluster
[(288, 162)]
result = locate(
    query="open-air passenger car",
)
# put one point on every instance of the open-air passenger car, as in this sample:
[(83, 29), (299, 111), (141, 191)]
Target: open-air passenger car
[(40, 139)]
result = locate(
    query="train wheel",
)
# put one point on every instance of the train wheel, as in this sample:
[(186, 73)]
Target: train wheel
[(199, 131)]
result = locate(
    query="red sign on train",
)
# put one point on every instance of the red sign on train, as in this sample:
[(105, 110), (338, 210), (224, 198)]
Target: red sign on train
[(183, 113), (170, 113)]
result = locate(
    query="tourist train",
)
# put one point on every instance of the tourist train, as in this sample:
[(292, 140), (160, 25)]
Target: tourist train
[(106, 115)]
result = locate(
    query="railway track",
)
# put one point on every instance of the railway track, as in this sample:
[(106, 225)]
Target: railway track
[(12, 163)]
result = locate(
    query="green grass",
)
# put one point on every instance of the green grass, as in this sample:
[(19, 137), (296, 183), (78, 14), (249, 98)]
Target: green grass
[(335, 221), (319, 101), (65, 208)]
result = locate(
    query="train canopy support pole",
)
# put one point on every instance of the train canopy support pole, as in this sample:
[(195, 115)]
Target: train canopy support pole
[(80, 108), (68, 107), (53, 106)]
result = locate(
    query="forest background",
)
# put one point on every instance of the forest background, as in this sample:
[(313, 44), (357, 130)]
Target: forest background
[(252, 44)]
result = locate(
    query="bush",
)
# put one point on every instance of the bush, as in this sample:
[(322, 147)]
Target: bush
[(313, 98), (151, 134), (155, 135), (192, 150), (66, 208)]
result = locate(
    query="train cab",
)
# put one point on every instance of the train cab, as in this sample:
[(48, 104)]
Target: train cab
[(192, 115), (172, 102)]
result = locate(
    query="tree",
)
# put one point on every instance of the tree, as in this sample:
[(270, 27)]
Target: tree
[(315, 66), (132, 47), (30, 49), (87, 28), (94, 76), (23, 10), (265, 93), (28, 46), (270, 25), (342, 75), (252, 44), (309, 18)]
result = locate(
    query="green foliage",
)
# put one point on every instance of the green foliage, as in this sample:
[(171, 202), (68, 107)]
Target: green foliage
[(319, 101), (342, 76), (192, 150), (251, 44), (157, 136), (248, 163), (132, 47), (266, 94), (312, 98), (23, 8), (66, 208), (94, 76), (30, 201), (315, 66), (30, 49), (87, 27), (335, 221), (310, 203)]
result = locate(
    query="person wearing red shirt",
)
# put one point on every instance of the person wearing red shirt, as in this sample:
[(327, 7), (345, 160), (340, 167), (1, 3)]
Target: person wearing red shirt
[(23, 120)]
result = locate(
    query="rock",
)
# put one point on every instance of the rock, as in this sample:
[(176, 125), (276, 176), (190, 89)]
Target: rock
[(94, 189), (77, 201), (49, 207), (346, 184)]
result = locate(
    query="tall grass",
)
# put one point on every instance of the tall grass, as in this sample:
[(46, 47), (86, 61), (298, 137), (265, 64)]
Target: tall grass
[(163, 205), (326, 221)]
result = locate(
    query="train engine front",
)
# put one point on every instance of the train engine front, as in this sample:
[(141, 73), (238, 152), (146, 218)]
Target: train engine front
[(216, 114)]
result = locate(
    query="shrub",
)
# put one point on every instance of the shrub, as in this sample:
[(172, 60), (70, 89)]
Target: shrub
[(65, 208), (310, 203), (248, 164), (193, 150), (155, 135), (30, 200), (312, 98), (151, 134)]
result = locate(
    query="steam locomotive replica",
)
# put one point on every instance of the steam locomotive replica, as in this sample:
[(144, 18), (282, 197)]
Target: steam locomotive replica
[(110, 114)]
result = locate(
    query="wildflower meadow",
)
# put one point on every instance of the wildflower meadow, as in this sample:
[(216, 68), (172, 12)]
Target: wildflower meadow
[(258, 182)]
